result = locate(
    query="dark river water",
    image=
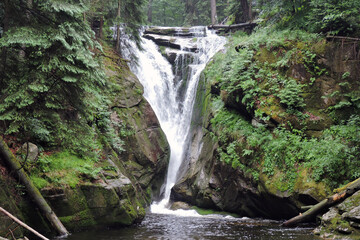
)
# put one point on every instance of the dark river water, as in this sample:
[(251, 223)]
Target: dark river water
[(164, 227)]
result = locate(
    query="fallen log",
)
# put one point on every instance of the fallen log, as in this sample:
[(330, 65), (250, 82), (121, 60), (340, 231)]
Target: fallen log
[(22, 224), (232, 26), (33, 192), (324, 205)]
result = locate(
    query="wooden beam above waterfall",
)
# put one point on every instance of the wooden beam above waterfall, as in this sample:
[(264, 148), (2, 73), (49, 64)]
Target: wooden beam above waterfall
[(233, 27)]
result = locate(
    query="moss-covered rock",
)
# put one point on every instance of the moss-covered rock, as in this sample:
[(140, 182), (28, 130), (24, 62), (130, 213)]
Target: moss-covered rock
[(342, 221), (114, 189), (108, 203), (242, 182)]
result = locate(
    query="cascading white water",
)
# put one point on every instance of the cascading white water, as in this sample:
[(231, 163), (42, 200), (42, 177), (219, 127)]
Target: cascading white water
[(173, 100)]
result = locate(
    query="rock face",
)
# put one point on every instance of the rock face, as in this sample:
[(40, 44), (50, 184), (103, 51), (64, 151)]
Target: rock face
[(130, 177), (132, 167), (210, 183), (342, 221)]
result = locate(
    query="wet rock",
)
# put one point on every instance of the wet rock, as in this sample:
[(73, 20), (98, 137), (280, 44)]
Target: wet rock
[(173, 42), (177, 31), (180, 205)]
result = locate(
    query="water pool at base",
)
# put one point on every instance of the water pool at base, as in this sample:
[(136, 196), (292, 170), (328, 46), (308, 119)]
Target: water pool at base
[(172, 227)]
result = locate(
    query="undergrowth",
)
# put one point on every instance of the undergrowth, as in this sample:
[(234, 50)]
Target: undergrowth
[(62, 169), (255, 71)]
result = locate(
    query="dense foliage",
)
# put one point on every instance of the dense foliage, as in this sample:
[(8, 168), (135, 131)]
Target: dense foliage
[(327, 16), (256, 80), (184, 13), (51, 81)]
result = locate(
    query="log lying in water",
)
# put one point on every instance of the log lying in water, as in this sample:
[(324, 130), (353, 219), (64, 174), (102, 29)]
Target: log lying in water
[(324, 205), (34, 193), (22, 224)]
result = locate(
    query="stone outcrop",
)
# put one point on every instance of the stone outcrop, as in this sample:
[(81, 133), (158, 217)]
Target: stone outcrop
[(342, 221)]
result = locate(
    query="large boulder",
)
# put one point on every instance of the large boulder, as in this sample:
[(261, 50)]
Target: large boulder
[(112, 202)]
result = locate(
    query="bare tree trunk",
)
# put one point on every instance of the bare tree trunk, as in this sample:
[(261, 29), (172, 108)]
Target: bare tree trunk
[(149, 13), (213, 12), (29, 5), (101, 34), (34, 193), (101, 27), (190, 12), (118, 47), (6, 15), (245, 10), (250, 11), (6, 27)]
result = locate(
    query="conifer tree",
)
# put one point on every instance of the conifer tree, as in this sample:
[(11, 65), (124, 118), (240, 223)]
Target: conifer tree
[(50, 76)]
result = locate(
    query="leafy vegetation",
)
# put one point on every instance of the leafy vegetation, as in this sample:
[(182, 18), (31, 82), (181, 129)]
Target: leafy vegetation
[(326, 16), (61, 169), (256, 72), (52, 82)]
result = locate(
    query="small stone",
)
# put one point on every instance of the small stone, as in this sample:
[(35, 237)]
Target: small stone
[(32, 153)]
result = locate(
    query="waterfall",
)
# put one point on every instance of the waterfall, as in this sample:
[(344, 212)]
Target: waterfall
[(172, 95)]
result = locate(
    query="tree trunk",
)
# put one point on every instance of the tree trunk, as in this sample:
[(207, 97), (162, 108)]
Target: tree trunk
[(213, 12), (250, 11), (101, 34), (324, 205), (149, 12), (118, 43), (29, 6), (190, 10), (5, 28), (6, 15), (33, 192), (245, 7)]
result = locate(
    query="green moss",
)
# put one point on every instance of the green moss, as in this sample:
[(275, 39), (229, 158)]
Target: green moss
[(39, 182), (62, 168), (265, 56), (78, 221)]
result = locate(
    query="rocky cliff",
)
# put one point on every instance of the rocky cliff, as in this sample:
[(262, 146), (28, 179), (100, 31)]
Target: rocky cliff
[(238, 112), (111, 191)]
